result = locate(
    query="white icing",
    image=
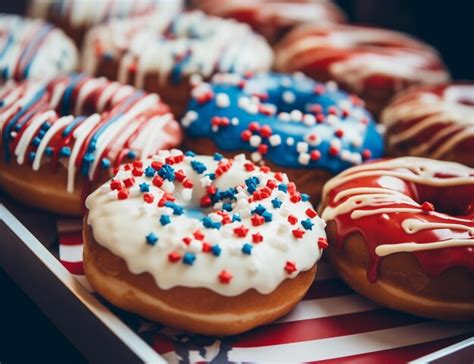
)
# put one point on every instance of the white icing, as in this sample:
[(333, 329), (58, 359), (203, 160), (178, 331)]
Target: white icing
[(121, 226)]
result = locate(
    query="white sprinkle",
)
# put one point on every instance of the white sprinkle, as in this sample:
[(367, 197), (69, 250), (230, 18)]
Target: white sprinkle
[(134, 191), (356, 158), (332, 120), (286, 82), (309, 120), (255, 140), (290, 141), (252, 109), (215, 128), (331, 86), (167, 186), (205, 181), (284, 116), (304, 158), (256, 157), (296, 115), (381, 128), (240, 157), (105, 188), (222, 100), (186, 194), (301, 147), (275, 140), (312, 139), (356, 141), (195, 79), (288, 97), (336, 143), (234, 121), (195, 246), (112, 195), (346, 155)]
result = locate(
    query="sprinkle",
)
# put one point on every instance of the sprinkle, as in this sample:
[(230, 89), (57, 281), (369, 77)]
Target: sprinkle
[(156, 165), (148, 197), (304, 197), (276, 203), (304, 158), (366, 154), (282, 187), (290, 267), (128, 182), (255, 140), (288, 97), (247, 248), (257, 238), (173, 257), (144, 187), (266, 131), (189, 258), (167, 172), (218, 156), (131, 154), (427, 206), (157, 181), (208, 223), (307, 224), (222, 100), (198, 166), (149, 171), (190, 153), (151, 239), (274, 140), (236, 217), (292, 219), (105, 163), (216, 250), (290, 141), (260, 209), (267, 216), (241, 231), (315, 155), (122, 194), (301, 147), (298, 233), (116, 185), (65, 152), (322, 243), (165, 220), (225, 277), (257, 220), (311, 213)]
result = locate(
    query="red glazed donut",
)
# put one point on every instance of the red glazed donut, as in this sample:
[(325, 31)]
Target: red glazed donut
[(373, 63), (274, 18), (433, 121), (61, 138), (402, 233)]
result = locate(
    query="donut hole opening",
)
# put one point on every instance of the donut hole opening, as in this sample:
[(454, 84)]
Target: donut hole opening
[(454, 201)]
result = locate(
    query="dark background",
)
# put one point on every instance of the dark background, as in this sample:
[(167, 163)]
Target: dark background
[(26, 335)]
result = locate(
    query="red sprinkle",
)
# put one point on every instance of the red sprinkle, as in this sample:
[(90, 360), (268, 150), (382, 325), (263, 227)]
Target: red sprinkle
[(128, 182), (137, 172), (156, 165), (315, 155), (187, 240), (298, 233), (257, 220), (257, 238), (311, 213), (366, 154), (339, 133), (292, 219), (116, 185), (179, 175), (198, 235), (241, 231), (157, 181), (323, 243), (225, 277), (122, 194), (262, 149), (249, 167), (173, 257), (138, 164), (290, 267), (266, 131), (254, 126), (187, 183), (206, 247), (148, 197), (427, 206)]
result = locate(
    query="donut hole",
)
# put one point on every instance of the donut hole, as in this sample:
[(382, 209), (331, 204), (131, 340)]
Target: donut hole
[(455, 200)]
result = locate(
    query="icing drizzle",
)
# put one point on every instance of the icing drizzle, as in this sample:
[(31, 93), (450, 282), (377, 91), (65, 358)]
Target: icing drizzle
[(199, 221), (387, 202), (33, 49), (173, 47), (290, 120), (113, 123)]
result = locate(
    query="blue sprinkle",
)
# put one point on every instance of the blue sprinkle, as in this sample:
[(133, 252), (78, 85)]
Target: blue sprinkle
[(307, 224), (276, 203), (150, 171), (45, 126), (88, 158), (236, 217), (48, 151), (212, 176), (167, 172), (260, 209), (40, 134), (218, 156), (18, 127), (189, 258), (65, 152), (131, 154), (190, 153), (208, 223), (267, 216), (151, 239), (32, 155), (2, 102), (92, 146), (105, 163), (36, 141), (227, 207), (252, 184), (247, 248), (216, 250), (177, 210), (304, 197), (107, 56), (283, 187), (199, 167), (165, 220), (144, 187)]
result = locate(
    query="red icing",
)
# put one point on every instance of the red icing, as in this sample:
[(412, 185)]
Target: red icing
[(379, 229)]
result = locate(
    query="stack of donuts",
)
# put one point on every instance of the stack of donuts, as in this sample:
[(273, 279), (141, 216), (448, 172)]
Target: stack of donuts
[(214, 153)]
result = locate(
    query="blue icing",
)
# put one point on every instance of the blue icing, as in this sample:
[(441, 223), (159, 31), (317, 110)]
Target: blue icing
[(280, 87)]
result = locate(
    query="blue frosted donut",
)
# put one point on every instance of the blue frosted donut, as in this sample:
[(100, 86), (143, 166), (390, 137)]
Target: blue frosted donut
[(288, 120)]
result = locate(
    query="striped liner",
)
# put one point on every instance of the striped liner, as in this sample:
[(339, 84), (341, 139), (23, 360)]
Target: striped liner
[(331, 325)]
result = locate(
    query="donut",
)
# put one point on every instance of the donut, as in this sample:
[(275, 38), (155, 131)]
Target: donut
[(373, 63), (401, 232), (60, 138), (33, 49), (432, 121), (205, 244), (309, 130), (161, 55), (77, 16), (274, 18)]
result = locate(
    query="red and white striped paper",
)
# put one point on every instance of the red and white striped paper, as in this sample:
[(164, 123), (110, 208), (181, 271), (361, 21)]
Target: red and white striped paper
[(332, 324)]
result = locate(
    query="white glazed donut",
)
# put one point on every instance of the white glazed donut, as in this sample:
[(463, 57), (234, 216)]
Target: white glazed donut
[(202, 226)]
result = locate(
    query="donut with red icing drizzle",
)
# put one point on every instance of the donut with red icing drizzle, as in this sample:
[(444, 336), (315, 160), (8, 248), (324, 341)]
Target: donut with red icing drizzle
[(433, 121), (62, 137), (274, 18), (373, 63), (402, 233)]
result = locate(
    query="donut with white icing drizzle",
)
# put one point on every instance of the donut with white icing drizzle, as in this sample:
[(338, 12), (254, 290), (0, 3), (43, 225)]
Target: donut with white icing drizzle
[(163, 55), (33, 49), (77, 16), (59, 138), (402, 233), (433, 121), (207, 244), (373, 63), (274, 18), (309, 130)]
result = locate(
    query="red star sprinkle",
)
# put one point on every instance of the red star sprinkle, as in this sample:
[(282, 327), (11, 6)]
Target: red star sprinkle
[(292, 219), (265, 169), (148, 197), (295, 197), (225, 277), (311, 213), (129, 181), (279, 176), (187, 240), (290, 267), (198, 235), (122, 194), (257, 238), (323, 243), (115, 185), (320, 118), (173, 257), (298, 233), (241, 231), (257, 220), (271, 184), (137, 172), (127, 167)]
